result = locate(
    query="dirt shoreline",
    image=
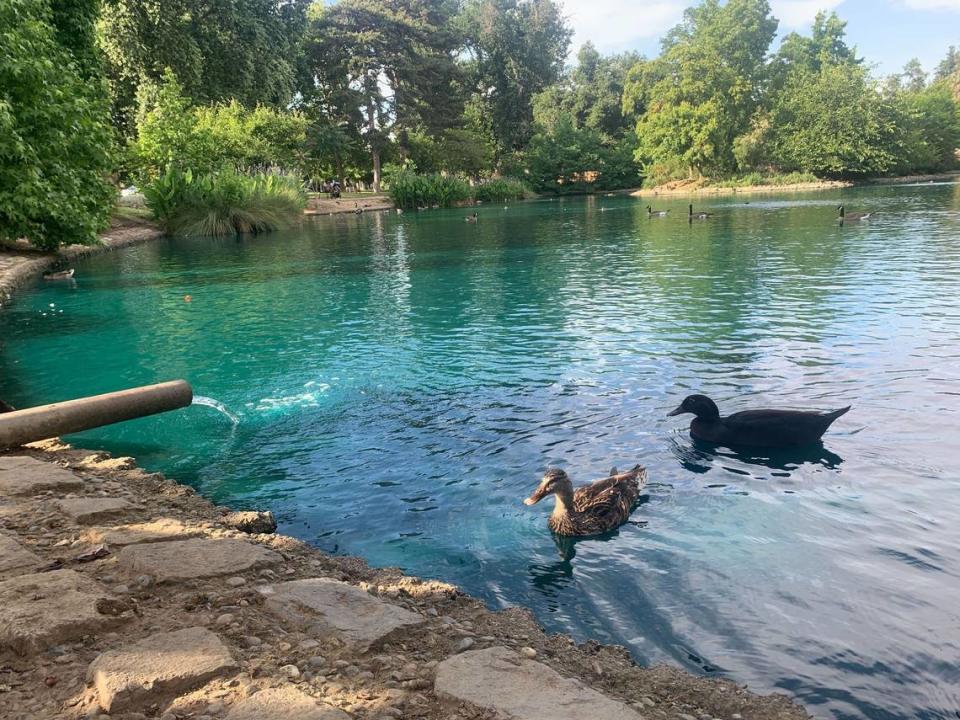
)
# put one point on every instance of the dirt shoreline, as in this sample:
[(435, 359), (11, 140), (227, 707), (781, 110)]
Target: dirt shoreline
[(326, 206), (692, 190), (55, 530)]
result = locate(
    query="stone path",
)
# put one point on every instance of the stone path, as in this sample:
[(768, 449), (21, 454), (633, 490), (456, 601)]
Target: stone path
[(172, 613)]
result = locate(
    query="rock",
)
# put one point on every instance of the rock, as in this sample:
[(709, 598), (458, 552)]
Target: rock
[(148, 532), (528, 652), (321, 603), (44, 609), (236, 582), (224, 619), (291, 671), (14, 558), (158, 667), (251, 522), (465, 644), (23, 475), (317, 661), (196, 558), (501, 680), (91, 510), (283, 703)]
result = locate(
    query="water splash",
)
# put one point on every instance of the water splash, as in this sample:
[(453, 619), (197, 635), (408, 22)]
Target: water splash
[(216, 405)]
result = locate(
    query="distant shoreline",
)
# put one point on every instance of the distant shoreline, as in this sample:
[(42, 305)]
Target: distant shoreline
[(795, 187)]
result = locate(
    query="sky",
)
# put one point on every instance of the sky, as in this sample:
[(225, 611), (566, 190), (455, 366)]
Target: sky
[(887, 33)]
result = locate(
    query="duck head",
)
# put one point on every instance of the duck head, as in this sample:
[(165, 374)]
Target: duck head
[(555, 482), (699, 405)]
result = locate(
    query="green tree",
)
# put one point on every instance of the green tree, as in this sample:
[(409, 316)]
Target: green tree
[(704, 89), (834, 124), (245, 50), (825, 46), (517, 49), (55, 136), (397, 58)]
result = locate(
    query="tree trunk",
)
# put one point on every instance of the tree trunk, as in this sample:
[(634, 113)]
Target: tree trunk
[(376, 170)]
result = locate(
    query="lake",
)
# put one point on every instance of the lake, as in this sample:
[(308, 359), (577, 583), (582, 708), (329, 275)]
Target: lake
[(400, 383)]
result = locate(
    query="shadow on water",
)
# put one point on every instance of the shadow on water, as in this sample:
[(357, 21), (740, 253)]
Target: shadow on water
[(700, 457)]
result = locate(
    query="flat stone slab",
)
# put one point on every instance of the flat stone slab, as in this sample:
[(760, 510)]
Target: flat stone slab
[(44, 609), (158, 530), (343, 608), (159, 666), (284, 703), (15, 558), (91, 510), (499, 679), (24, 475), (195, 558)]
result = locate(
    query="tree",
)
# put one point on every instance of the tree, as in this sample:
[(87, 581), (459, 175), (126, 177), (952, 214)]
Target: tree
[(244, 50), (517, 49), (703, 91), (55, 137), (397, 58), (914, 78), (825, 46), (949, 66), (834, 124)]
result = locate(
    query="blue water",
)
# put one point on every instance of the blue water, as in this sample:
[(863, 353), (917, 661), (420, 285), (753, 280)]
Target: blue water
[(402, 382)]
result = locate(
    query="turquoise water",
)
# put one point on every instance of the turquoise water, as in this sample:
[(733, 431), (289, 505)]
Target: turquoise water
[(401, 382)]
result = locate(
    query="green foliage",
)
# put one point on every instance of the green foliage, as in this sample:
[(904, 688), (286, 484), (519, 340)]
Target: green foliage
[(517, 49), (500, 190), (702, 92), (224, 203), (174, 135), (409, 190), (571, 159), (929, 128), (833, 124), (243, 50), (757, 178), (55, 137)]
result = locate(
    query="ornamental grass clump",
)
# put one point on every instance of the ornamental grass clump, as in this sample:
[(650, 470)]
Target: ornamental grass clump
[(500, 190), (226, 202), (409, 190)]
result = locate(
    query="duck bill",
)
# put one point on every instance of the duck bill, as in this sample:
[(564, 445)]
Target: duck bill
[(535, 498), (678, 411)]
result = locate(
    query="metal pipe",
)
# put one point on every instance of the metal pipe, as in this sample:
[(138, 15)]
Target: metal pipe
[(47, 421)]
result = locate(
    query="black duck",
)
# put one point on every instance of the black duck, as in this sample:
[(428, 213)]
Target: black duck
[(592, 509), (757, 428)]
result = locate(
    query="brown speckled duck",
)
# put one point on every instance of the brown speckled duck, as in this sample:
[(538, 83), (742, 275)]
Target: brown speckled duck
[(592, 509)]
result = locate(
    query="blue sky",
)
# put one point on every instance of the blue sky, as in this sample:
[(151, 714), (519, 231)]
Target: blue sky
[(887, 32)]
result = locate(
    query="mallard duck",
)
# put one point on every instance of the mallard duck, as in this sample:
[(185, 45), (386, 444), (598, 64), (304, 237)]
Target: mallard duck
[(471, 218), (656, 213), (62, 275), (592, 509), (843, 215), (758, 428), (698, 216)]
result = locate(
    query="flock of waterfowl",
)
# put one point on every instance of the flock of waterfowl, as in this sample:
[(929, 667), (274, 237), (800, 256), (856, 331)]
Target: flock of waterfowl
[(606, 504)]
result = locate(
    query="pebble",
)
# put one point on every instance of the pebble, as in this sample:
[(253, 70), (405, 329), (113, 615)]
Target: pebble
[(144, 581), (224, 619), (251, 641), (215, 708), (121, 589), (236, 581), (648, 702), (528, 652), (737, 716), (309, 644), (317, 661), (291, 671)]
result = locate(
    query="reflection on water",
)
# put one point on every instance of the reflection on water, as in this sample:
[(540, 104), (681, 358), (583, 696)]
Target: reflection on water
[(402, 382)]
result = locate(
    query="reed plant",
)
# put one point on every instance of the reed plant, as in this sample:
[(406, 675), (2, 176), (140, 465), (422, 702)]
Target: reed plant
[(501, 190), (409, 190), (226, 202)]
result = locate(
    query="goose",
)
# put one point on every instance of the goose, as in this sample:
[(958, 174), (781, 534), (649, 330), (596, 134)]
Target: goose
[(656, 213), (758, 428), (471, 218), (852, 217), (698, 216)]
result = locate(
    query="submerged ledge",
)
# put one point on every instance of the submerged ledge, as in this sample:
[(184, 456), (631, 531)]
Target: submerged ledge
[(123, 561)]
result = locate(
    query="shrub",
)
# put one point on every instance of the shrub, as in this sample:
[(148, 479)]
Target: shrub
[(224, 203), (409, 190), (500, 190), (55, 135)]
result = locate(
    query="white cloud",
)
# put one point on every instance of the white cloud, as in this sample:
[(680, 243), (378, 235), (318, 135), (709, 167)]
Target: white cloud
[(933, 4), (799, 14), (617, 25)]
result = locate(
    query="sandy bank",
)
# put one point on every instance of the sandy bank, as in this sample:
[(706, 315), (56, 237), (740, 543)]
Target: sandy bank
[(325, 206)]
